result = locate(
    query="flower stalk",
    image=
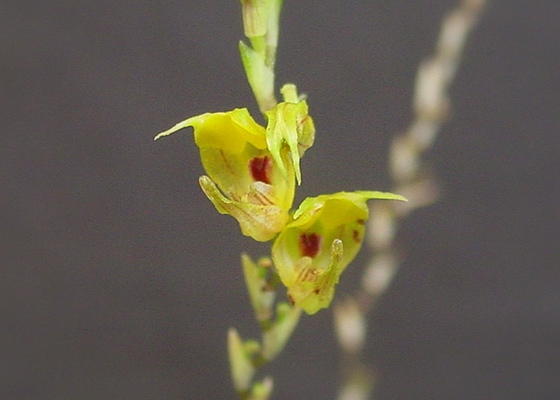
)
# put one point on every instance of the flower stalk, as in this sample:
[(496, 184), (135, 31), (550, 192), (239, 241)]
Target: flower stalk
[(261, 22)]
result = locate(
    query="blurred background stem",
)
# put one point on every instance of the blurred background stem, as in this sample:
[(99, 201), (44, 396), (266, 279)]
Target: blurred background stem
[(412, 178)]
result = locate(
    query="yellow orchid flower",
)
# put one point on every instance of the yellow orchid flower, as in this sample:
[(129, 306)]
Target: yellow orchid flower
[(314, 249), (246, 179)]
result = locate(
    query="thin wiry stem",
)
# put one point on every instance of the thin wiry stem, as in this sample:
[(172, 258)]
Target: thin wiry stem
[(411, 178)]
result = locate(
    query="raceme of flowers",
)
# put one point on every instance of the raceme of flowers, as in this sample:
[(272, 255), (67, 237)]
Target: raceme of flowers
[(251, 175)]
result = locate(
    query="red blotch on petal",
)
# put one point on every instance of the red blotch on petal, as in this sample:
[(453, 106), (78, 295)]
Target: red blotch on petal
[(309, 244), (260, 168)]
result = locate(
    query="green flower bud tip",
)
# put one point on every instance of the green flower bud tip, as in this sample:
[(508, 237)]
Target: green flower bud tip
[(314, 249), (261, 294), (240, 356), (262, 390), (255, 16)]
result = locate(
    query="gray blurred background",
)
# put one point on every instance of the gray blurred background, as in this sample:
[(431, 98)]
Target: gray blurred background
[(118, 280)]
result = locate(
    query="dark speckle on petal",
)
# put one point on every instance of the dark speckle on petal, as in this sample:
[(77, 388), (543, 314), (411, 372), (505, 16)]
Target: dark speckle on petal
[(309, 244), (260, 169)]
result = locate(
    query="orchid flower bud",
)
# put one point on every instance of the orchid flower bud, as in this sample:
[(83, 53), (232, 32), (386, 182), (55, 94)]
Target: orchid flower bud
[(255, 16)]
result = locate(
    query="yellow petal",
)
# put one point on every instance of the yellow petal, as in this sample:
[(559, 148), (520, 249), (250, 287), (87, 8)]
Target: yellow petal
[(229, 131), (260, 221), (313, 290)]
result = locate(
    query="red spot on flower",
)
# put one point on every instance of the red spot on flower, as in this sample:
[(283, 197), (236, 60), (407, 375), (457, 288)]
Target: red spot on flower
[(260, 169), (309, 244), (356, 236)]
